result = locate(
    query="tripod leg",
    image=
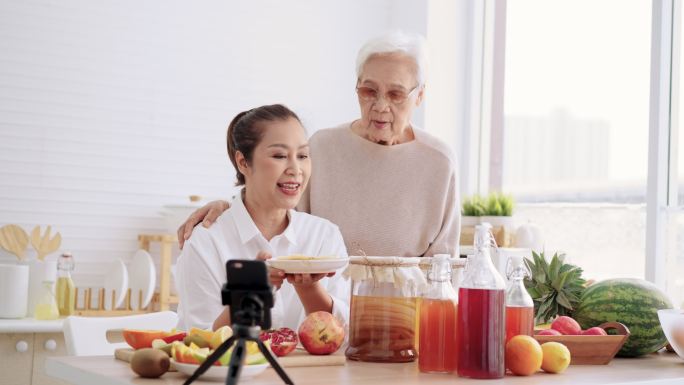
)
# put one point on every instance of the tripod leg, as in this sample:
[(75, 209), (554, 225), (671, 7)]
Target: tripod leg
[(274, 363), (210, 360), (236, 361)]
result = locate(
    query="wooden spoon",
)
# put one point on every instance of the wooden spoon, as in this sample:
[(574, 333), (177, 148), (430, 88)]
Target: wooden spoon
[(14, 239), (44, 245)]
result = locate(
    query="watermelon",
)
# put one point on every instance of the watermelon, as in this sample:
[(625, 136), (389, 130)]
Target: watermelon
[(633, 302)]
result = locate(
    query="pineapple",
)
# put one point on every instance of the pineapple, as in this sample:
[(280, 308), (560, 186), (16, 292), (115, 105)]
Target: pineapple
[(555, 287)]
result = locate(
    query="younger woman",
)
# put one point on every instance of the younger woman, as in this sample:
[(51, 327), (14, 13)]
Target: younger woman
[(270, 152)]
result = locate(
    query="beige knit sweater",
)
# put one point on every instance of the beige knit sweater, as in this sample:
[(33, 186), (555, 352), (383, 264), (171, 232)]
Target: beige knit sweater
[(397, 200)]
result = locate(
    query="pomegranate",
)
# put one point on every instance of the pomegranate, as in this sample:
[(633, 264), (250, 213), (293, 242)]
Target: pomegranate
[(549, 332), (595, 331), (321, 333), (566, 326), (283, 341)]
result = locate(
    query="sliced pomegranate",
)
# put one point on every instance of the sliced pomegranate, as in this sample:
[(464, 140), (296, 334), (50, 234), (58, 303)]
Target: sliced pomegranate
[(283, 340)]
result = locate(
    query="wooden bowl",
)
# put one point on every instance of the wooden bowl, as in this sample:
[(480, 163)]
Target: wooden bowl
[(592, 350)]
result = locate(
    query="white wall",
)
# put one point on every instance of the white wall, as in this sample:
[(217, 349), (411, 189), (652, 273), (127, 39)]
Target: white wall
[(111, 109)]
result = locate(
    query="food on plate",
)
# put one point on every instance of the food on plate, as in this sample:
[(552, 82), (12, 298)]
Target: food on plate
[(150, 363), (304, 257), (195, 339), (595, 331), (523, 355), (220, 335), (556, 357), (193, 354), (566, 326), (178, 336), (139, 339), (283, 341), (549, 332), (321, 333), (632, 302)]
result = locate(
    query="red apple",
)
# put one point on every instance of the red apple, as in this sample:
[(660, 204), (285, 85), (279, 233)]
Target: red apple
[(283, 341), (321, 333), (566, 326), (595, 331), (549, 332)]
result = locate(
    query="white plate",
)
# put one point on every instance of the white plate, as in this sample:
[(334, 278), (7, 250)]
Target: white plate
[(116, 280), (312, 266), (141, 279), (219, 373)]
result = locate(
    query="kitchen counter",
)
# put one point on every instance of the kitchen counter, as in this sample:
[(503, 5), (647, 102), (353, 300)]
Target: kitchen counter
[(660, 369), (31, 325)]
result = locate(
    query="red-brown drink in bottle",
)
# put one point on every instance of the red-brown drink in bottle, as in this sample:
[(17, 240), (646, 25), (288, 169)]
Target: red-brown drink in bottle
[(481, 313)]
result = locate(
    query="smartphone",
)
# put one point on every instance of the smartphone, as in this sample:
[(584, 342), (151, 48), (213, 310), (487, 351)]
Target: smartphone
[(248, 292)]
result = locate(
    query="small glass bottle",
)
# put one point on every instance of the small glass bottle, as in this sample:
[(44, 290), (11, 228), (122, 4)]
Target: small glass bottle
[(46, 307), (481, 313), (66, 292), (437, 346), (519, 304)]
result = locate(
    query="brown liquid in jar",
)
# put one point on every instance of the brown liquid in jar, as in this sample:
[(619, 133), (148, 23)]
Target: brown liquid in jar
[(382, 329)]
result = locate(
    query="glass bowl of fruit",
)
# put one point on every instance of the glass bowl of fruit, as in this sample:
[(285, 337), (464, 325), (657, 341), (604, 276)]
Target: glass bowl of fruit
[(672, 322)]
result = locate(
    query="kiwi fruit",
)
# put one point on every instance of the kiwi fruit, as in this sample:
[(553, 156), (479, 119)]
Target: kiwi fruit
[(150, 363)]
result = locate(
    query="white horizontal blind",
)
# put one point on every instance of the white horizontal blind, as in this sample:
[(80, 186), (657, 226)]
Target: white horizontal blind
[(109, 110)]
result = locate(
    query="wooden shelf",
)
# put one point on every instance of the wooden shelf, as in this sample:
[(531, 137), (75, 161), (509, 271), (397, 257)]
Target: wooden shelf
[(163, 298)]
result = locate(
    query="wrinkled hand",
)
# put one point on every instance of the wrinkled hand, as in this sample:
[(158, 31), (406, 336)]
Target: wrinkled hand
[(275, 276), (206, 214), (306, 279)]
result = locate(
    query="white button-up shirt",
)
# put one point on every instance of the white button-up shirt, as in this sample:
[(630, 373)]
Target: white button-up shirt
[(201, 267)]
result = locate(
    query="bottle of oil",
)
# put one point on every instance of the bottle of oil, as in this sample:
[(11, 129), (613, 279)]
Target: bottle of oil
[(66, 292)]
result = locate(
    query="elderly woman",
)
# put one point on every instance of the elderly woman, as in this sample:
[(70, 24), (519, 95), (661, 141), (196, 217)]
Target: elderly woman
[(390, 187)]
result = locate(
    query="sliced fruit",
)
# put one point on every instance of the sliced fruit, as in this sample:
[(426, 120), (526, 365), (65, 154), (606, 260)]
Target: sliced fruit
[(174, 337), (220, 336), (205, 334), (195, 340), (138, 339)]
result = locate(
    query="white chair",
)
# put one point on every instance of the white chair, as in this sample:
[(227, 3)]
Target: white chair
[(87, 336)]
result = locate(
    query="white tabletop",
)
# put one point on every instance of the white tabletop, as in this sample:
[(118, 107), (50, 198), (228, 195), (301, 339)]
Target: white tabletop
[(30, 325), (659, 369)]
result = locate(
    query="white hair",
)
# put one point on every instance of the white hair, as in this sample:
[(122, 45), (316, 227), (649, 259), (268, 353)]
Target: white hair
[(413, 45)]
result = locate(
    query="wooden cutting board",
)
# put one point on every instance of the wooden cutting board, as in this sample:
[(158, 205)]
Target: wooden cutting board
[(298, 358)]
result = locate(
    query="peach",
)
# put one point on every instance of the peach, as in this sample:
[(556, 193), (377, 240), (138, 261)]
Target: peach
[(549, 332), (321, 333), (595, 331), (566, 326)]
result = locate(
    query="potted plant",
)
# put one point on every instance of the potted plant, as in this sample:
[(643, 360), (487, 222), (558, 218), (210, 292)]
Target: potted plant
[(472, 209), (498, 211)]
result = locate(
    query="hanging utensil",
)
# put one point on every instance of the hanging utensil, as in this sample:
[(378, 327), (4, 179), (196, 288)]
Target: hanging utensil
[(14, 239), (44, 245)]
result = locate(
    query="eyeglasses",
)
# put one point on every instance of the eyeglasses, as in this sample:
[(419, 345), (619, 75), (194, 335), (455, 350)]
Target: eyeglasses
[(395, 97)]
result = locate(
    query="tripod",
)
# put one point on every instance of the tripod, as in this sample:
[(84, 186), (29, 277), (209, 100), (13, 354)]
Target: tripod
[(242, 334)]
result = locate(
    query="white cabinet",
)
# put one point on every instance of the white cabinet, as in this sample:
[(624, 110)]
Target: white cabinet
[(24, 346), (46, 345), (16, 364), (23, 357)]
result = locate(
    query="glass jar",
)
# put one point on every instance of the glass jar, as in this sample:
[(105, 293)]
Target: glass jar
[(383, 317)]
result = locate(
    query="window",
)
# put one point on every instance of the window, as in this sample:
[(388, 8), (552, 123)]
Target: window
[(576, 127)]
